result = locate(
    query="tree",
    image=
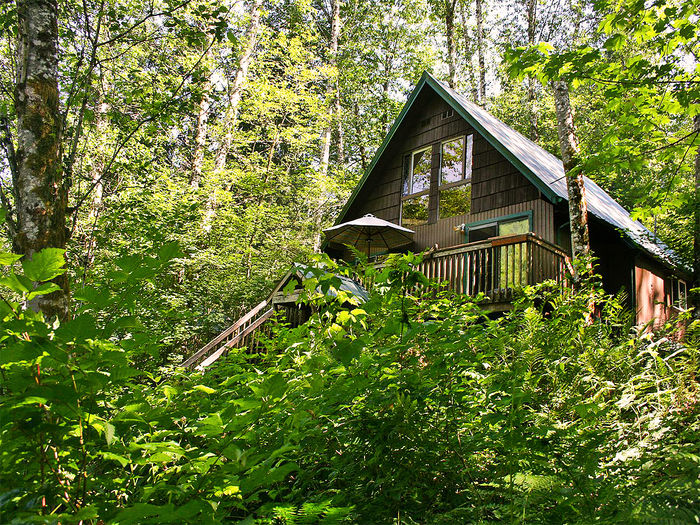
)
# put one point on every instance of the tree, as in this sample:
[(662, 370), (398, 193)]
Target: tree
[(445, 11), (568, 141), (235, 84), (480, 50), (642, 64), (333, 92), (531, 87), (39, 188)]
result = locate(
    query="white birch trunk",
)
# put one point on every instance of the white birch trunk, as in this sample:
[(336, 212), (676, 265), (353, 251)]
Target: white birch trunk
[(480, 50), (326, 136), (578, 212), (237, 83), (41, 194)]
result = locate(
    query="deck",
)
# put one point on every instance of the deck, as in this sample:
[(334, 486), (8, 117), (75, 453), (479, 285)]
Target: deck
[(496, 267)]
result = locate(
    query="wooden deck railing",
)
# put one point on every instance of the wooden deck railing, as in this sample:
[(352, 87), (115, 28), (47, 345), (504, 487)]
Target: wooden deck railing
[(496, 266), (237, 335)]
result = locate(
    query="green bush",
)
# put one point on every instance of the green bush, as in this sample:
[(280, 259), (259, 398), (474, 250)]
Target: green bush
[(413, 407)]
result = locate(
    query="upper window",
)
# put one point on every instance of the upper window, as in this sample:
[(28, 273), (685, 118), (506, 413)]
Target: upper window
[(416, 187), (455, 176), (417, 172)]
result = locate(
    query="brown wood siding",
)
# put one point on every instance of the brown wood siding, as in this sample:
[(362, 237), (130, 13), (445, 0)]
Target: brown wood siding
[(442, 232), (497, 186)]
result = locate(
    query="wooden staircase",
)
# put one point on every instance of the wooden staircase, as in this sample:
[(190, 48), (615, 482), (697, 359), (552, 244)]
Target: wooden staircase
[(239, 334)]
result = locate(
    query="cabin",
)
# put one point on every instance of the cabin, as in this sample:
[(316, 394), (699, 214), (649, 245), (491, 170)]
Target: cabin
[(493, 206), (490, 207)]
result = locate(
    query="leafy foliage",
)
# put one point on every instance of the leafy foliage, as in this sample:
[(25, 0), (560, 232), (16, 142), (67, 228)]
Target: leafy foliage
[(411, 406)]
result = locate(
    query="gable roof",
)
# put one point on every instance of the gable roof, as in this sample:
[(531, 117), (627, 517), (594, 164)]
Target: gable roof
[(544, 170)]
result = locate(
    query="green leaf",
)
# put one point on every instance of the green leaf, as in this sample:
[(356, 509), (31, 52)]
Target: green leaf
[(45, 265), (205, 389), (169, 251), (17, 283), (115, 457), (43, 289), (7, 258), (109, 433)]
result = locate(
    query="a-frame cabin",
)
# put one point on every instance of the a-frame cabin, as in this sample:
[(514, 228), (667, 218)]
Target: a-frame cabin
[(494, 204), (492, 207)]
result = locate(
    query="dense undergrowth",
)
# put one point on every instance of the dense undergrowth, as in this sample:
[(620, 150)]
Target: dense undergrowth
[(399, 409)]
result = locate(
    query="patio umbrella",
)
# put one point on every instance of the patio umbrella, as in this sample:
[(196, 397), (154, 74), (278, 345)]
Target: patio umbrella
[(371, 233)]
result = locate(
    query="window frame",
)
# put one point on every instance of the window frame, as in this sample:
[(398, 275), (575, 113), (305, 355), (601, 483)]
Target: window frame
[(464, 180), (497, 220), (677, 299), (410, 195), (411, 156)]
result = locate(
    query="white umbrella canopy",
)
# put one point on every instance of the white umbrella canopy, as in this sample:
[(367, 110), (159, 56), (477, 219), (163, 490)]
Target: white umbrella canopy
[(370, 234)]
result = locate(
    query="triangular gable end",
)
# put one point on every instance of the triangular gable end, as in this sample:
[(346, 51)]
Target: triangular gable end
[(428, 80)]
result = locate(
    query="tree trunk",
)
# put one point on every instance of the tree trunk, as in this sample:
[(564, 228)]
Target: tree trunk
[(480, 51), (40, 192), (578, 213), (531, 83), (695, 297), (468, 52), (333, 87), (200, 135), (96, 176), (236, 86), (340, 132), (450, 35)]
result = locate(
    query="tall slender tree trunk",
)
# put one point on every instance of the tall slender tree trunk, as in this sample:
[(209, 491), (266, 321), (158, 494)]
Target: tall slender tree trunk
[(568, 142), (480, 50), (385, 94), (531, 83), (468, 52), (97, 179), (332, 88), (250, 40), (695, 297), (41, 195), (450, 35), (200, 134), (340, 132)]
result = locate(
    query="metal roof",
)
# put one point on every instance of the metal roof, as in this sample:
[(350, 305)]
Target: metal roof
[(539, 166), (304, 272)]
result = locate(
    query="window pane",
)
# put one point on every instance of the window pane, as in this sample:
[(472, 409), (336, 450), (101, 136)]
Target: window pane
[(421, 171), (514, 227), (414, 212), (451, 161), (483, 232), (455, 201)]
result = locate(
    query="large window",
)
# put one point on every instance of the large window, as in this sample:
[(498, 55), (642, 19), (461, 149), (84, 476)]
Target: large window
[(416, 187), (455, 176), (497, 228)]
